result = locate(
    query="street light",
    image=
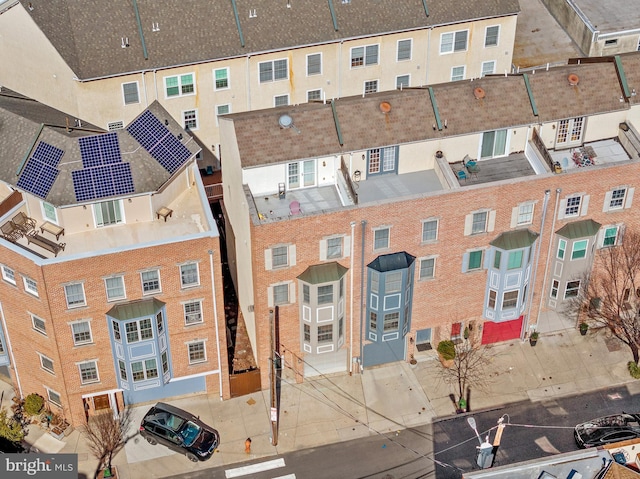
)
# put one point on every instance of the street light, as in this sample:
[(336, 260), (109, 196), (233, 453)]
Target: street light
[(485, 452), (472, 423)]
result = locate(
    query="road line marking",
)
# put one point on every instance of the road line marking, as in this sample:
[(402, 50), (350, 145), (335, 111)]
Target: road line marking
[(252, 469), (288, 476)]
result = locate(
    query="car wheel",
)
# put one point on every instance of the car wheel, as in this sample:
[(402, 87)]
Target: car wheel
[(151, 440), (192, 457)]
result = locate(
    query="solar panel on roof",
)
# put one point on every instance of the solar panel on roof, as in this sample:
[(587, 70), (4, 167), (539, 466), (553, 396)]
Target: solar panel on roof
[(99, 150), (37, 177), (102, 181), (48, 154), (83, 185)]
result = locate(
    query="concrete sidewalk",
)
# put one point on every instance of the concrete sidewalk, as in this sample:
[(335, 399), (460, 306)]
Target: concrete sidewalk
[(381, 400)]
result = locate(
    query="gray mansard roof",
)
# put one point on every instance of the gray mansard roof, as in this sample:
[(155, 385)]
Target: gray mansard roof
[(88, 33)]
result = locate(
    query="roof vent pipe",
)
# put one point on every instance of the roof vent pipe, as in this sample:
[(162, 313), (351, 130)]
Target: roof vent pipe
[(478, 93), (573, 79)]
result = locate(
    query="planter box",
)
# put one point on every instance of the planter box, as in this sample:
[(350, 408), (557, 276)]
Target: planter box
[(57, 432)]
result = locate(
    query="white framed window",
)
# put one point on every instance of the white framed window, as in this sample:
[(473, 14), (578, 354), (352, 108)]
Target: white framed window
[(221, 78), (492, 299), (428, 268), (562, 247), (222, 110), (334, 247), (364, 56), (280, 294), (280, 256), (159, 322), (474, 260), (429, 230), (403, 81), (457, 73), (301, 174), (522, 214), (30, 286), (190, 119), (514, 259), (314, 95), (130, 93), (74, 293), (114, 287), (49, 212), (371, 86), (488, 68), (8, 274), (46, 363), (314, 64), (618, 198), (573, 206), (150, 281), (39, 324), (579, 249), (193, 312), (453, 41), (189, 275), (491, 36), (510, 299), (115, 125), (494, 143), (81, 331), (122, 367), (164, 357), (404, 50), (53, 397), (381, 238), (281, 100), (179, 85), (481, 221), (570, 131), (197, 352), (108, 213), (88, 372), (143, 370), (571, 290), (555, 285), (610, 236), (139, 330), (274, 70)]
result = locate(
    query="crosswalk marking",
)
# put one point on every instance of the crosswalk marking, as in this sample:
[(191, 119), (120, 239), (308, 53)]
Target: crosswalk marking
[(253, 468)]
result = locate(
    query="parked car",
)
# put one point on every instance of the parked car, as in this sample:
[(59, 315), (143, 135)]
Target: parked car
[(180, 431), (607, 430)]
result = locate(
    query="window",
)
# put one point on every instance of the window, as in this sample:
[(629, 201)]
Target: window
[(325, 333), (314, 95), (179, 85), (617, 198), (610, 236), (453, 41), (375, 281), (314, 64), (81, 333), (364, 56), (525, 214), (108, 212), (115, 288), (571, 291), (393, 282), (334, 248), (130, 93), (192, 312), (274, 70), (371, 86), (2, 349), (402, 81), (554, 288), (382, 160), (491, 36), (141, 370), (427, 268), (380, 238), (488, 68), (49, 212), (457, 73), (570, 131), (165, 362), (280, 256), (189, 275), (391, 322), (88, 372), (579, 249), (510, 299), (159, 322), (515, 260), (30, 286), (138, 330), (404, 50), (197, 352), (190, 119), (46, 363), (307, 333), (301, 174), (475, 260), (221, 78), (429, 230), (54, 397), (373, 321), (573, 206), (611, 42), (281, 294), (123, 369), (116, 331), (38, 324), (497, 258), (150, 281), (479, 223), (494, 143), (492, 299), (281, 100), (325, 294), (75, 295), (562, 247), (8, 274), (222, 110), (306, 294)]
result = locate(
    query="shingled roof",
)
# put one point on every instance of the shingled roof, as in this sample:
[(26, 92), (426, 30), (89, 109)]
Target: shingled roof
[(88, 33)]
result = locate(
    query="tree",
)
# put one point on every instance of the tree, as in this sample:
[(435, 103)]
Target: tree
[(609, 297), (10, 429), (106, 435)]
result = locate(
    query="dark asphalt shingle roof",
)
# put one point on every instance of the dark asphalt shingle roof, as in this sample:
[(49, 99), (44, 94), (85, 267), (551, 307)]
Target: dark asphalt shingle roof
[(88, 33)]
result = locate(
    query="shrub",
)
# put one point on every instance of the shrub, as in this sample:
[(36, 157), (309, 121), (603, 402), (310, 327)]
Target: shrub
[(447, 349), (10, 429), (33, 404), (634, 369)]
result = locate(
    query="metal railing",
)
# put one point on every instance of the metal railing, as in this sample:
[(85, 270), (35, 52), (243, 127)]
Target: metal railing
[(214, 192)]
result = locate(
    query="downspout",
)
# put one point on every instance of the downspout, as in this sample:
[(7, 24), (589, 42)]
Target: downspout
[(13, 359), (248, 83), (140, 32), (215, 317), (426, 69), (144, 89), (546, 267), (155, 83), (340, 70), (353, 227), (363, 223)]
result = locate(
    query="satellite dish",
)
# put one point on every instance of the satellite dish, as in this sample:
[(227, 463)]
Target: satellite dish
[(285, 121)]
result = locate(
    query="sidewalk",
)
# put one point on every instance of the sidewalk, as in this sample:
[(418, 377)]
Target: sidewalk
[(381, 400)]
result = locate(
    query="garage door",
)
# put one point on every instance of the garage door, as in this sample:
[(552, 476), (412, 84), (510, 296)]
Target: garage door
[(504, 331)]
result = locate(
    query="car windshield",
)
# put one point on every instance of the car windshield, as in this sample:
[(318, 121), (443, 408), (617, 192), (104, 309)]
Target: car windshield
[(604, 424), (190, 433)]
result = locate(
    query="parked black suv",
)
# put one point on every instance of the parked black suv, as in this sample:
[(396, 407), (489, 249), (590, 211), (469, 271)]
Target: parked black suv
[(180, 431)]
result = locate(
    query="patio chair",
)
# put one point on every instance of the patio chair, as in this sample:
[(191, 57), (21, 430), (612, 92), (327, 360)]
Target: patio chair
[(23, 222), (294, 208), (461, 175), (11, 232)]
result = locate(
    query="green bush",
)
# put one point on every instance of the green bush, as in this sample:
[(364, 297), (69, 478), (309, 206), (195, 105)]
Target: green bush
[(447, 349), (634, 369), (10, 429), (33, 404)]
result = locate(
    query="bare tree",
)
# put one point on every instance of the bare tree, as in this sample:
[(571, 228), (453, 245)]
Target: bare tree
[(609, 298), (106, 435)]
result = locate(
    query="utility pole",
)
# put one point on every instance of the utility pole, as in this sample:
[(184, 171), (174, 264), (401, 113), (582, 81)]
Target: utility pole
[(273, 383), (486, 452)]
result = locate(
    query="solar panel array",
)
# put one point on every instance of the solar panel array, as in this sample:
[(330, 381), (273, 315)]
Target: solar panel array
[(154, 137), (99, 150), (41, 170)]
